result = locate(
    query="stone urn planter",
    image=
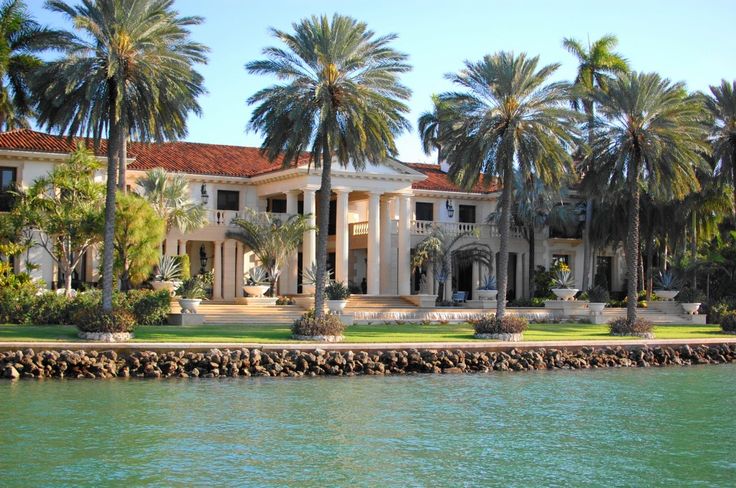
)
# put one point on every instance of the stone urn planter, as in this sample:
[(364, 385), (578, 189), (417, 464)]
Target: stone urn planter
[(256, 291), (189, 305), (667, 295), (596, 308), (169, 286), (566, 294), (336, 306), (690, 308), (486, 294)]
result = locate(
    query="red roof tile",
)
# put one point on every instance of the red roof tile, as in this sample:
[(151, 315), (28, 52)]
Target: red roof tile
[(439, 181)]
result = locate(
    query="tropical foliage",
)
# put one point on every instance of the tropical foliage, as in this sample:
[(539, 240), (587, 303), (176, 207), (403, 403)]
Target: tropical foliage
[(339, 99)]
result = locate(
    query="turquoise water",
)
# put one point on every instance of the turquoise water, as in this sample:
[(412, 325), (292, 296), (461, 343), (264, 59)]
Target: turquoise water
[(653, 427)]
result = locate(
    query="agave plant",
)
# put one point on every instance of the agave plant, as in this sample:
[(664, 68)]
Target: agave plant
[(666, 280), (309, 275), (168, 269), (258, 276), (489, 283), (564, 279)]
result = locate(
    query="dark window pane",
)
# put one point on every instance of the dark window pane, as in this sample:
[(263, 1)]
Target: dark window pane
[(228, 200), (424, 211)]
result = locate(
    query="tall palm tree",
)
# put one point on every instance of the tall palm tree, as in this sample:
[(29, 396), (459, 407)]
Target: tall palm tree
[(649, 133), (340, 98), (128, 74), (507, 119), (596, 65), (22, 39), (721, 104), (170, 196)]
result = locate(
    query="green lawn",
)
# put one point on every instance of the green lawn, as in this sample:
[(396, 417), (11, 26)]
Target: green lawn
[(357, 333)]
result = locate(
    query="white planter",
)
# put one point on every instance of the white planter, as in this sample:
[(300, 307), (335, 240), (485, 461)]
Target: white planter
[(596, 308), (565, 294), (169, 286), (486, 294), (690, 308), (256, 290), (337, 306), (666, 294), (189, 305)]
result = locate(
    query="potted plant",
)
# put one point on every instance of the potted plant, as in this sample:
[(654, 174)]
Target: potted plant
[(191, 293), (169, 272), (337, 296), (598, 297), (257, 282), (666, 285), (690, 299), (487, 290), (564, 284)]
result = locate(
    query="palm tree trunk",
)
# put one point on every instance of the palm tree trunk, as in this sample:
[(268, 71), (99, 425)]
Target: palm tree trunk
[(109, 232), (503, 230), (323, 223), (532, 269), (632, 244)]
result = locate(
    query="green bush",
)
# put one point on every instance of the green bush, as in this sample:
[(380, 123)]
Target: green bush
[(507, 325), (728, 322), (309, 325), (623, 327), (149, 307)]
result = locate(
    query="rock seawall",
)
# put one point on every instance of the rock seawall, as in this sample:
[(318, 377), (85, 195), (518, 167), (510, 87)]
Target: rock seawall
[(255, 362)]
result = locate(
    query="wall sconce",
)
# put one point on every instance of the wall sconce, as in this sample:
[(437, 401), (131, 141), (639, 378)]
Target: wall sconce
[(203, 193), (202, 259), (450, 208)]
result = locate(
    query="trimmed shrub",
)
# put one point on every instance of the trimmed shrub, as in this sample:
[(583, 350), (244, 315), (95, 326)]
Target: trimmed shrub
[(309, 325), (149, 307), (622, 327), (728, 322), (507, 325)]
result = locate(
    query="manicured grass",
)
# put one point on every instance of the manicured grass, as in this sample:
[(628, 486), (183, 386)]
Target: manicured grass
[(357, 333)]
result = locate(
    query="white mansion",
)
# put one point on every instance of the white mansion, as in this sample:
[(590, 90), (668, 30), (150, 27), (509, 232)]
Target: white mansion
[(378, 215)]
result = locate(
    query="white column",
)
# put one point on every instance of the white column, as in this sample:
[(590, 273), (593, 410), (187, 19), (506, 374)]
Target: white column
[(387, 270), (217, 285), (342, 239), (374, 242), (404, 261), (239, 278), (289, 276), (228, 269), (309, 246)]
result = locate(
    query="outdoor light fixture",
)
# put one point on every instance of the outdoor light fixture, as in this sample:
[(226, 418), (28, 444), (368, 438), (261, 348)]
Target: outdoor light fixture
[(204, 195), (202, 257), (450, 208)]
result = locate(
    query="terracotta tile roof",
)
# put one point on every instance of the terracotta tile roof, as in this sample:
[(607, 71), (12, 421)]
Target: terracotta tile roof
[(186, 157), (439, 181), (30, 140)]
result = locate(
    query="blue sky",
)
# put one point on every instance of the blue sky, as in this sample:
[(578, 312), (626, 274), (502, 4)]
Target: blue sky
[(690, 41)]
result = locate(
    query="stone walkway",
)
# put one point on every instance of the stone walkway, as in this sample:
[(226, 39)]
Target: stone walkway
[(345, 346)]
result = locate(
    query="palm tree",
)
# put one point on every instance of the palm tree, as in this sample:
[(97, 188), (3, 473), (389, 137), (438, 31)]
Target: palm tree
[(271, 237), (536, 206), (129, 75), (721, 104), (507, 120), (596, 65), (340, 98), (170, 196), (649, 134), (22, 39)]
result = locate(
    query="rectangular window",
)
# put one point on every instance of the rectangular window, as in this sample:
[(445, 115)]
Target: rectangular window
[(277, 205), (7, 183), (228, 200), (424, 211), (466, 214)]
